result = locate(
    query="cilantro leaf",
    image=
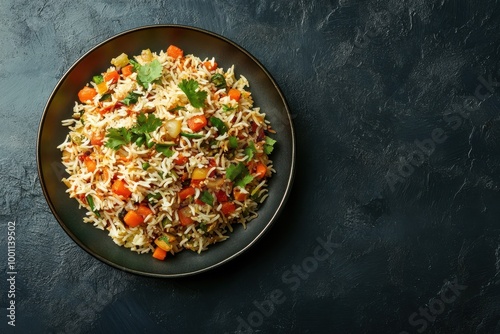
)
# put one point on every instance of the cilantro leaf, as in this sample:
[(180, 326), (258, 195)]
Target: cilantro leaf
[(146, 124), (139, 133), (207, 198), (269, 145), (227, 108), (244, 181), (233, 142), (234, 171), (117, 138), (148, 73), (219, 124), (239, 174), (165, 150), (131, 98), (196, 98), (250, 150)]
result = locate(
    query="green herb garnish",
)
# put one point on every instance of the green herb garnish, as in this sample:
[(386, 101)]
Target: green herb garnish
[(242, 182), (234, 171), (219, 124), (239, 174), (269, 145), (146, 124), (233, 142), (207, 198), (131, 98), (117, 137), (250, 150), (196, 98), (227, 108), (165, 149), (147, 73), (139, 133)]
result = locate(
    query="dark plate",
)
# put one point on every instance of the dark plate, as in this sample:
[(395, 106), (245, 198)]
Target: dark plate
[(202, 44)]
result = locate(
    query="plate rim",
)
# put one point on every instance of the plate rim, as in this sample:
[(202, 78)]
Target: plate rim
[(273, 218)]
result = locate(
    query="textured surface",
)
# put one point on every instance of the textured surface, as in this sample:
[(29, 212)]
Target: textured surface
[(395, 105)]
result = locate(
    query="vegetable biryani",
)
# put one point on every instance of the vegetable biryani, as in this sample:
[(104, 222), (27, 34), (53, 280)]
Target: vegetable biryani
[(166, 151)]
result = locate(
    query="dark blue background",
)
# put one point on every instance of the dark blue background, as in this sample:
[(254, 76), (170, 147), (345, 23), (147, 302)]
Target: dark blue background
[(398, 165)]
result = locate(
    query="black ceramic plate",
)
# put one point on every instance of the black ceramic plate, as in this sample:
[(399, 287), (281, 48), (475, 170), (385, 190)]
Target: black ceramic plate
[(202, 44)]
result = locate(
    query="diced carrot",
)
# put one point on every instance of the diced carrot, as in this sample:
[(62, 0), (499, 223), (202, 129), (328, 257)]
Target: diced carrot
[(239, 195), (127, 70), (260, 170), (210, 66), (133, 219), (107, 109), (196, 123), (159, 254), (119, 187), (90, 163), (174, 51), (228, 208), (86, 93), (180, 160), (186, 192), (221, 196), (234, 94), (144, 210), (97, 139), (112, 76), (185, 216)]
